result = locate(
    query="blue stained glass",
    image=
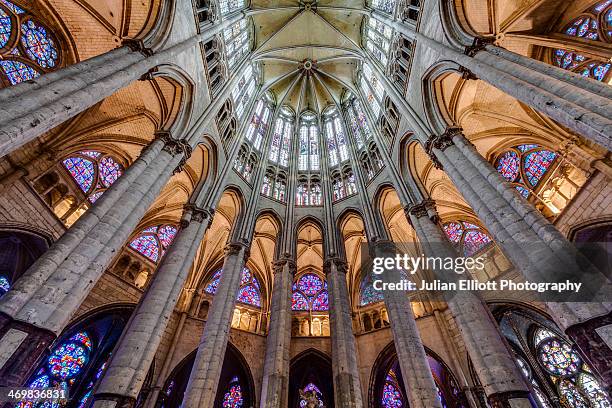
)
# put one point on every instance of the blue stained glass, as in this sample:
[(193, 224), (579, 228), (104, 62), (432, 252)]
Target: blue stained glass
[(91, 153), (474, 242), (249, 295), (310, 388), (67, 360), (82, 338), (146, 245), (525, 147), (5, 285), (310, 284), (18, 72), (522, 191), (151, 229), (16, 9), (391, 397), (453, 231), (536, 164), (166, 234), (233, 397), (94, 196), (321, 302), (571, 396), (83, 402), (101, 370), (82, 171), (110, 171), (298, 301), (38, 44), (40, 382), (5, 27), (214, 283), (508, 165), (368, 294), (602, 5)]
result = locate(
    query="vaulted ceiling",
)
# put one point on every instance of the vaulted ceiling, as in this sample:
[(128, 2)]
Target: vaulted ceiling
[(308, 52)]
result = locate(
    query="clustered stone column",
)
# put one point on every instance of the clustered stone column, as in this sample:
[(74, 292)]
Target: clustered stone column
[(418, 379), (493, 362), (275, 384), (136, 349), (347, 385), (204, 379), (46, 296)]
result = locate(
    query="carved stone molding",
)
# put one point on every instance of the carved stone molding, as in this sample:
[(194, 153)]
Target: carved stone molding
[(478, 44), (197, 214), (137, 46), (467, 74), (340, 263), (234, 248), (279, 264), (426, 208)]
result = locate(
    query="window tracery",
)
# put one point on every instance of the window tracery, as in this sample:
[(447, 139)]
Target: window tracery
[(594, 24), (308, 191), (306, 395), (215, 68), (29, 48), (386, 6), (551, 364), (237, 42), (372, 89), (308, 160), (343, 184), (281, 138), (153, 242), (378, 40), (359, 123), (93, 172), (401, 62), (233, 396), (244, 91), (411, 11), (309, 294), (525, 166), (250, 151), (230, 6), (337, 149), (249, 292), (274, 184), (469, 238)]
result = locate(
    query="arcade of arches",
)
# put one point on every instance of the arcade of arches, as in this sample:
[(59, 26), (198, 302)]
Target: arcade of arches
[(189, 188)]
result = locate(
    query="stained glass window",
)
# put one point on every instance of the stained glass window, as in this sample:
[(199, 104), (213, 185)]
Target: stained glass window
[(388, 6), (310, 293), (372, 89), (307, 392), (308, 193), (525, 166), (595, 24), (5, 285), (469, 238), (233, 396), (249, 292), (378, 40), (93, 172), (34, 54), (308, 159), (359, 123), (279, 149), (153, 242), (259, 124), (231, 6), (558, 357), (367, 293), (237, 43), (244, 91), (337, 149)]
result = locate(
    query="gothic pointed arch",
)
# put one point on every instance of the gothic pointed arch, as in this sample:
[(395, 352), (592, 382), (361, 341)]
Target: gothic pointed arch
[(236, 386), (310, 373)]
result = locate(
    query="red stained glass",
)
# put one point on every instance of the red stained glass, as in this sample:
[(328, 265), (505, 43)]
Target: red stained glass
[(82, 171), (249, 292), (146, 245), (298, 301), (536, 164), (474, 242), (152, 242), (453, 231), (310, 293), (508, 165), (38, 44), (310, 284)]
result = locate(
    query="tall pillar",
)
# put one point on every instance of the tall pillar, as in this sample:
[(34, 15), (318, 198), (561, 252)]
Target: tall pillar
[(497, 371), (532, 243), (347, 385), (204, 378), (416, 373), (275, 384), (136, 349), (44, 299)]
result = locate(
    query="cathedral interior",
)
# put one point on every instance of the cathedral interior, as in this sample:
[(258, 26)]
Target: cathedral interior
[(190, 191)]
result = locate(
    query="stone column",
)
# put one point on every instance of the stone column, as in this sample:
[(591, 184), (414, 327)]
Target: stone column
[(204, 377), (347, 385), (275, 384), (47, 295), (136, 349), (493, 362), (416, 373)]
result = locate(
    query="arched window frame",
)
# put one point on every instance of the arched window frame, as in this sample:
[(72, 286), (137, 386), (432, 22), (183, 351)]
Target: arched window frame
[(29, 48), (281, 138), (385, 6), (244, 91), (377, 37), (512, 164), (358, 123), (372, 89), (309, 160), (104, 172), (594, 25), (337, 144), (237, 41), (469, 238), (153, 241), (228, 7)]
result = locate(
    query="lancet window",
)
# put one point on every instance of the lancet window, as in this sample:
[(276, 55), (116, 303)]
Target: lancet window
[(337, 148), (469, 238), (275, 184), (230, 6), (372, 89), (153, 242), (237, 42), (377, 39), (343, 183), (244, 91), (281, 138), (249, 292)]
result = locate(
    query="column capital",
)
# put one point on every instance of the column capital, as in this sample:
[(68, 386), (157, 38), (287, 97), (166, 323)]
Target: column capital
[(234, 248), (198, 214), (441, 142), (467, 74), (426, 208), (137, 46), (340, 263), (285, 259), (478, 44), (175, 147)]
